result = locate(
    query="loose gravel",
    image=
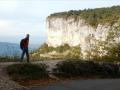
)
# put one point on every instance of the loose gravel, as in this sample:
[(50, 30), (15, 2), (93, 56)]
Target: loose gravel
[(6, 83)]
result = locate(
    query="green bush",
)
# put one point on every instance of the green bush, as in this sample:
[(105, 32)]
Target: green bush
[(79, 68), (27, 71), (74, 53)]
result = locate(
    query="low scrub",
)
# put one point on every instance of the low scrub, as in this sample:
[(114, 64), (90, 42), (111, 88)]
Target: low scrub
[(27, 71), (77, 68), (9, 59)]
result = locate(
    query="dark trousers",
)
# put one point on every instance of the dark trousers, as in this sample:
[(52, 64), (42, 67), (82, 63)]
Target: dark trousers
[(25, 51)]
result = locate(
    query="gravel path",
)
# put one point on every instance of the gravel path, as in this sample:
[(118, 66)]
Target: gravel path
[(6, 83), (103, 84), (50, 63)]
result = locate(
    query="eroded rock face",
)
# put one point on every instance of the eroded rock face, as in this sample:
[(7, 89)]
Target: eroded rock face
[(74, 32)]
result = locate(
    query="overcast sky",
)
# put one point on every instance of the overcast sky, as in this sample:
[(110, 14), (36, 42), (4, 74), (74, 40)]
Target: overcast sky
[(19, 17)]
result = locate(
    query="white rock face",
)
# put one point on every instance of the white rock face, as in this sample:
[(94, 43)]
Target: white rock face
[(74, 32)]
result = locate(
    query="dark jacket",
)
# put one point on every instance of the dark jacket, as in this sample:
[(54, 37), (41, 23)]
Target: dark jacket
[(24, 43)]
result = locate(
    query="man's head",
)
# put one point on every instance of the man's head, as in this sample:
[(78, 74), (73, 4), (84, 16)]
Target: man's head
[(27, 36)]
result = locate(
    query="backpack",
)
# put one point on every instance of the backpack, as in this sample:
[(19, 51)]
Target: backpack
[(21, 44)]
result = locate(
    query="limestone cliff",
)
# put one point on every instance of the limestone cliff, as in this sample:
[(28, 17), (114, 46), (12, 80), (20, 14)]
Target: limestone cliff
[(74, 32)]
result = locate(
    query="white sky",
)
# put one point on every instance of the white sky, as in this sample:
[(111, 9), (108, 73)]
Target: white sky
[(19, 17)]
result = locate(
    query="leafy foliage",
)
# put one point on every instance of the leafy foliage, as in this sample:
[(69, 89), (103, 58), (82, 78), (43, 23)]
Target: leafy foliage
[(74, 53), (93, 16), (80, 68), (27, 71), (63, 51), (113, 53)]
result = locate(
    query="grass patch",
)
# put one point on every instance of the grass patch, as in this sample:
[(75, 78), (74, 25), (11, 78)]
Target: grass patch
[(27, 71), (9, 59), (87, 69)]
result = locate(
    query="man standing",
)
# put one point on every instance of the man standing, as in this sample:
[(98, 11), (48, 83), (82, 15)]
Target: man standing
[(24, 47)]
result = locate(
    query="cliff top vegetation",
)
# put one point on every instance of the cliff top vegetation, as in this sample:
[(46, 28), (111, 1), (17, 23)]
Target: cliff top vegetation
[(109, 15)]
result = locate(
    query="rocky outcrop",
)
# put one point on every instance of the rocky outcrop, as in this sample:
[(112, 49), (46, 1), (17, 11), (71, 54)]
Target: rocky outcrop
[(74, 32)]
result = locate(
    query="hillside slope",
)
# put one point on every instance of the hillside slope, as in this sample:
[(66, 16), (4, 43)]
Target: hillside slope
[(95, 31), (9, 49)]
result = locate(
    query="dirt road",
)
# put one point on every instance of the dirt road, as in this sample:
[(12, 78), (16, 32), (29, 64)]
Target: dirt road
[(103, 84)]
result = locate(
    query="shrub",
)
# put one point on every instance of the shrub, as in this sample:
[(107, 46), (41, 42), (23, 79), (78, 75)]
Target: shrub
[(74, 53), (27, 71), (86, 69)]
